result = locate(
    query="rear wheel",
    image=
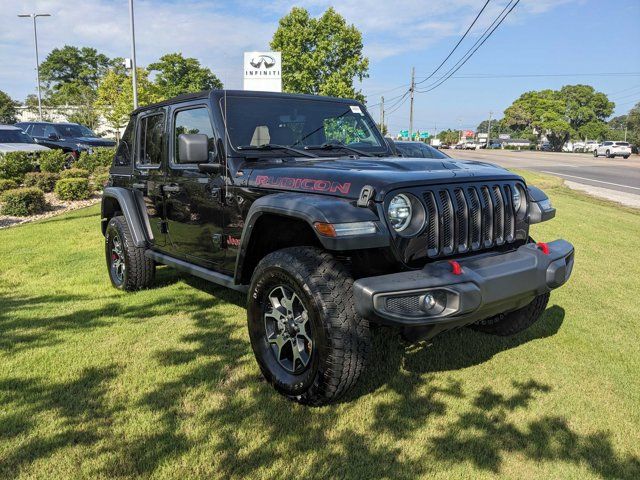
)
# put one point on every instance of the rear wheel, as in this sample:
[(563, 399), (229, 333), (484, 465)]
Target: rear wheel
[(595, 152), (625, 156), (608, 154), (129, 269), (308, 339), (507, 324)]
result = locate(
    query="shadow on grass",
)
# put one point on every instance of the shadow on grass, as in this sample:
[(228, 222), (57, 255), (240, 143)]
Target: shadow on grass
[(249, 430)]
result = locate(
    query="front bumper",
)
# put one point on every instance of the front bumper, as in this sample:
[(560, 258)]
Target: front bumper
[(488, 284)]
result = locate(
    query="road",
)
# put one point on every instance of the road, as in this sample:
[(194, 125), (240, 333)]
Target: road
[(617, 179)]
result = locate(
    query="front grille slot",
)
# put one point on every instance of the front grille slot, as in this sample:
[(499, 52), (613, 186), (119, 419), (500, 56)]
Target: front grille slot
[(469, 218)]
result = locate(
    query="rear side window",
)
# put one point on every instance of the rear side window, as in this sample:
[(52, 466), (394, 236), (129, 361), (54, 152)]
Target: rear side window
[(150, 140), (125, 147), (37, 131)]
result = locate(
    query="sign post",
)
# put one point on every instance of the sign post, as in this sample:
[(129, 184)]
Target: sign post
[(263, 71)]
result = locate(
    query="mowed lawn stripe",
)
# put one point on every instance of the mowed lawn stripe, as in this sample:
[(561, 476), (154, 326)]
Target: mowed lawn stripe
[(162, 383)]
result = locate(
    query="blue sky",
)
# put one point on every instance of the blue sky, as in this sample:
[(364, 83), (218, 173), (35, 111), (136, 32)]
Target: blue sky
[(540, 37)]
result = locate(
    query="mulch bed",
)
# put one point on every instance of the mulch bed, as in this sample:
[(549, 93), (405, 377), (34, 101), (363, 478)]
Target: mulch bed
[(54, 207)]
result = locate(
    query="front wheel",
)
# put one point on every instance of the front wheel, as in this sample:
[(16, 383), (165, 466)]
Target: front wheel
[(625, 156), (308, 339), (608, 154), (507, 324), (595, 153)]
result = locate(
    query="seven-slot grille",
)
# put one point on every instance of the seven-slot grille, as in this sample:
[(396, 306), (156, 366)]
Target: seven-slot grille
[(469, 217)]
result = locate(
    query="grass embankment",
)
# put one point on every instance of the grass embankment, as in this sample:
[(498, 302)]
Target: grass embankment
[(162, 383)]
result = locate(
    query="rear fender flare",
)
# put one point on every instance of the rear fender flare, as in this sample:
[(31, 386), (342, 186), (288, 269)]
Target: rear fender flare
[(131, 204)]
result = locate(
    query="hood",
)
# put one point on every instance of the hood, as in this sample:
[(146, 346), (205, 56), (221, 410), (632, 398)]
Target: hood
[(95, 141), (345, 177), (21, 147)]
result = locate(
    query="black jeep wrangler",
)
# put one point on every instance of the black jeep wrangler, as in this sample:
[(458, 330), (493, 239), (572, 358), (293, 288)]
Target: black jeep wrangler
[(299, 201)]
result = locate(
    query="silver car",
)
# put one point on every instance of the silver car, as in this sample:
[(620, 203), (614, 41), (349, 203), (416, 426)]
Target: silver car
[(12, 139)]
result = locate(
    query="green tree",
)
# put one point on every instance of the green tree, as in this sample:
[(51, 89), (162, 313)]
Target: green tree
[(115, 96), (8, 109), (450, 137), (320, 56), (633, 124), (176, 75), (574, 110)]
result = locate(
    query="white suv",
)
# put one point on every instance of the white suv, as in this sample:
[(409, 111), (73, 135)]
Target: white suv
[(613, 149)]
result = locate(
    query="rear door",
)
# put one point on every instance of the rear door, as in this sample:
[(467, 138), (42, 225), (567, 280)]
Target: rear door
[(149, 169), (193, 199)]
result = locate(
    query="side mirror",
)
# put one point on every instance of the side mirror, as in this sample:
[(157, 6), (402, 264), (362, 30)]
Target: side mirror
[(193, 148)]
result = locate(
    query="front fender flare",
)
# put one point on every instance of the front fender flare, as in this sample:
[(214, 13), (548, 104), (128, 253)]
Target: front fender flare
[(131, 204), (311, 209)]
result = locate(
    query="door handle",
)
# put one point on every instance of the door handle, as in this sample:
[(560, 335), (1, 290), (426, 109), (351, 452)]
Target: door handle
[(170, 188)]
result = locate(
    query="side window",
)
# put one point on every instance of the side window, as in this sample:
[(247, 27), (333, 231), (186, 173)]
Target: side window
[(150, 140), (123, 153), (194, 120), (37, 131), (48, 130)]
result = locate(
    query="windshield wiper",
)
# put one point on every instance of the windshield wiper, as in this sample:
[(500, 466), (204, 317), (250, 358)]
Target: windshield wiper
[(275, 146), (338, 146)]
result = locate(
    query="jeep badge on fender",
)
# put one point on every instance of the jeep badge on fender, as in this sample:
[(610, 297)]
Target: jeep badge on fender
[(299, 202)]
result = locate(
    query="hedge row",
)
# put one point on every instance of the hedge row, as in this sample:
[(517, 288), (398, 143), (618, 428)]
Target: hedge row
[(73, 189), (45, 181), (22, 202)]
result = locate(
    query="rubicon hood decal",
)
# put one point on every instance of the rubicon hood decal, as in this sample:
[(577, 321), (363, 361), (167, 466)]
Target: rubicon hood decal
[(311, 184)]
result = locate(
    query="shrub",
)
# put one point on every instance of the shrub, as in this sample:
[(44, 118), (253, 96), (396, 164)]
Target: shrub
[(100, 180), (52, 161), (45, 181), (73, 189), (22, 202), (7, 185), (99, 157), (14, 165), (74, 173)]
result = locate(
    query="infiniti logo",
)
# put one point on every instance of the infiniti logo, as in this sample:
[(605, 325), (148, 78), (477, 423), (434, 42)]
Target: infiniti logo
[(267, 60)]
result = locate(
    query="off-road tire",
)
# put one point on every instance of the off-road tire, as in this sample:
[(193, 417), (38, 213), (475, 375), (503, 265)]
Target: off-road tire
[(341, 337), (507, 324), (139, 270)]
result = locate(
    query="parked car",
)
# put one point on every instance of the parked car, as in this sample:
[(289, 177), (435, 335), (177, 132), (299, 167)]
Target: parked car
[(470, 146), (546, 147), (444, 146), (495, 145), (590, 146), (419, 150), (13, 139), (458, 146), (326, 233), (613, 149), (72, 138)]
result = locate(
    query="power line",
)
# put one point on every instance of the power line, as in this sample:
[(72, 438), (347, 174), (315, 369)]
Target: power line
[(457, 44), (470, 52), (534, 75)]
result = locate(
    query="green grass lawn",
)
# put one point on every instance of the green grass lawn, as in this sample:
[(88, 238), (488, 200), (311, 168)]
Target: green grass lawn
[(162, 383)]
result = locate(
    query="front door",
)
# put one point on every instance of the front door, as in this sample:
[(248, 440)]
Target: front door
[(149, 174), (194, 209)]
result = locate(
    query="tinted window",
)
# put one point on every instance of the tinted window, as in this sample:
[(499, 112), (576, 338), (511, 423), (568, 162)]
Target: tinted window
[(419, 150), (69, 131), (150, 140), (50, 130), (123, 153), (192, 121), (37, 131), (14, 136)]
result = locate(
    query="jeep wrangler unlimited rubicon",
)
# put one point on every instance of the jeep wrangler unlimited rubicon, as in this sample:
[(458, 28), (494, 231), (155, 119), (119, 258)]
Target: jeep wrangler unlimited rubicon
[(299, 201)]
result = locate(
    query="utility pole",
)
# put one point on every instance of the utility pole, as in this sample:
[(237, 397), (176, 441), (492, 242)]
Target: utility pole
[(411, 90), (35, 37), (489, 129), (382, 115), (625, 132), (134, 73)]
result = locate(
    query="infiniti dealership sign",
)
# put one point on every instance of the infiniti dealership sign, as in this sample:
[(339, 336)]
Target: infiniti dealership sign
[(262, 71)]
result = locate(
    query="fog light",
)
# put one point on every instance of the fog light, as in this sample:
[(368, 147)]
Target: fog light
[(429, 302), (434, 302)]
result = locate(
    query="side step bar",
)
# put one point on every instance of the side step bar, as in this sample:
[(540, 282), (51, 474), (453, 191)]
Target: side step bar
[(196, 270)]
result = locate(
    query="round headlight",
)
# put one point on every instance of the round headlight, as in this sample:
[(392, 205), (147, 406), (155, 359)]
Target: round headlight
[(400, 212), (519, 200)]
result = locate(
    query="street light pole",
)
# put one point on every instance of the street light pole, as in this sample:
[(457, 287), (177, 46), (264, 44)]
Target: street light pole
[(134, 73), (35, 37)]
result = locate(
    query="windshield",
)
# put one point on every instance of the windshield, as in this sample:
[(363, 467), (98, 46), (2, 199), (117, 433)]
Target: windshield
[(73, 131), (14, 136), (299, 123), (419, 150)]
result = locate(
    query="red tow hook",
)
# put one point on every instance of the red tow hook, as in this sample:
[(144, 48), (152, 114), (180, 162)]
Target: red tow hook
[(544, 247), (456, 269)]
